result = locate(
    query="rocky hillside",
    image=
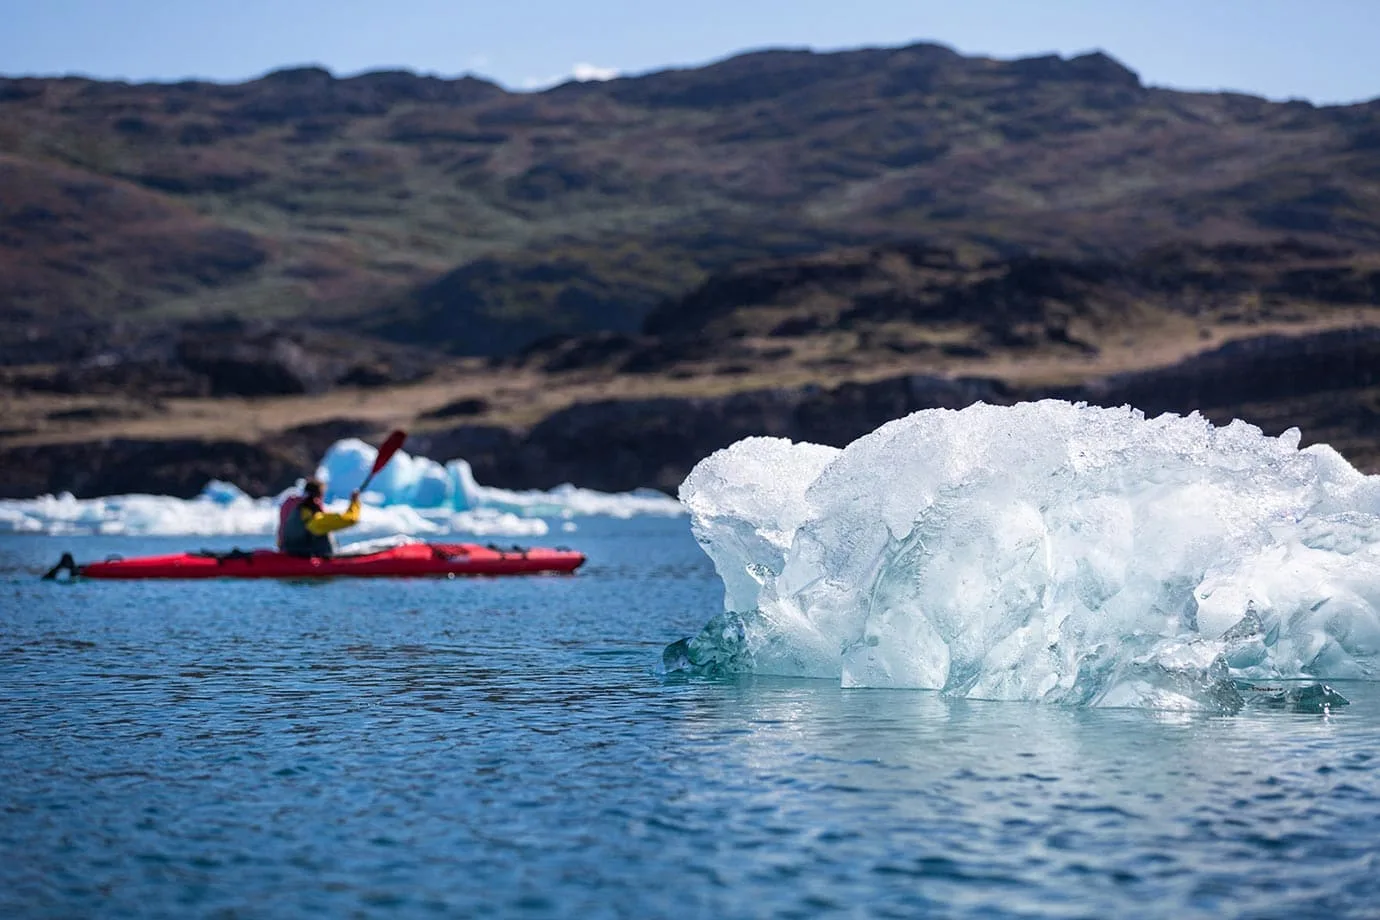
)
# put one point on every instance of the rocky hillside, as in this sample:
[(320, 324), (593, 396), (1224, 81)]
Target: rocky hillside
[(936, 310), (822, 348), (1327, 384), (474, 220), (604, 282)]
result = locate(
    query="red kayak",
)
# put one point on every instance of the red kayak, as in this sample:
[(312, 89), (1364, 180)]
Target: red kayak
[(410, 560)]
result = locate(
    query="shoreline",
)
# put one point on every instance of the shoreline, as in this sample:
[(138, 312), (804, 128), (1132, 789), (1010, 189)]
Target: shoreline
[(620, 433)]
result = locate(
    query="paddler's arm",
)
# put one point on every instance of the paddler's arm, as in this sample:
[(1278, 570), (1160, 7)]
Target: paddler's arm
[(321, 523)]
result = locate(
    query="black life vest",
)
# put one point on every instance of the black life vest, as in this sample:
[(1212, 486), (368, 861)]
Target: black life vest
[(293, 536)]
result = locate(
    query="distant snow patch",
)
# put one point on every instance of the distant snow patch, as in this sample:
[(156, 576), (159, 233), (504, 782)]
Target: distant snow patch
[(587, 73)]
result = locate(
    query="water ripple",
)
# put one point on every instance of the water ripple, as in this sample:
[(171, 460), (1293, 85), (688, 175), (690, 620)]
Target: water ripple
[(503, 748)]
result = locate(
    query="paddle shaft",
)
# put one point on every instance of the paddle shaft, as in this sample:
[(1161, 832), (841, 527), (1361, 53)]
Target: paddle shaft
[(386, 452)]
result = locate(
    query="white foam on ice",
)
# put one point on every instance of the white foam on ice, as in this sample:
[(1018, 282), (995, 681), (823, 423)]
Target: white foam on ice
[(1045, 551), (411, 495)]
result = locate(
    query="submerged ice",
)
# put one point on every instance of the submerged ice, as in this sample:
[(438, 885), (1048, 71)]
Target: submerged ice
[(411, 495), (1045, 551)]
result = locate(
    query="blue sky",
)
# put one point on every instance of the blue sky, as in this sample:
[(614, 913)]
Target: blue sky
[(1323, 50)]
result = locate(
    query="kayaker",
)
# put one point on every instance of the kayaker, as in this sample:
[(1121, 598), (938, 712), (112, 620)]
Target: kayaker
[(306, 528)]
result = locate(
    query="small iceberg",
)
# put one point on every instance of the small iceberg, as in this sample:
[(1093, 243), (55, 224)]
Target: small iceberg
[(411, 495)]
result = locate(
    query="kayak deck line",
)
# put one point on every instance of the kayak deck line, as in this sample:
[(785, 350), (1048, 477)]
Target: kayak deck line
[(408, 560)]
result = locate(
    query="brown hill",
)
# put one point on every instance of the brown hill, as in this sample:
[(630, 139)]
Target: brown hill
[(463, 216), (604, 282)]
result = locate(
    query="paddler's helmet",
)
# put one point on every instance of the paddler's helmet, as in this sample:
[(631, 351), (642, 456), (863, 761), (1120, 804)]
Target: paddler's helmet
[(314, 488)]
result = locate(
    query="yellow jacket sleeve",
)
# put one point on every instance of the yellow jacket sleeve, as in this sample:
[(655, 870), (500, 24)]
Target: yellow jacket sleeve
[(320, 523)]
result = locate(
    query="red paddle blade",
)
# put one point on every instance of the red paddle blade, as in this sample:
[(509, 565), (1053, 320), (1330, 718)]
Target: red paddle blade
[(388, 449)]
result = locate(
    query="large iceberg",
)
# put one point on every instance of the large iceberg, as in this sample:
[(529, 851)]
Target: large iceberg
[(411, 495), (1046, 551)]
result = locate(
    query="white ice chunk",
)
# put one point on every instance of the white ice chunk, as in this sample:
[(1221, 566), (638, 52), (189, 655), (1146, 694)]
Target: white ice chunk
[(411, 495), (1045, 551)]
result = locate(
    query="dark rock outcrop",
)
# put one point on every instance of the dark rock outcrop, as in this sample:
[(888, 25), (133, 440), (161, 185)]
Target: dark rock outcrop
[(1268, 369), (496, 307), (180, 468), (623, 444), (224, 357)]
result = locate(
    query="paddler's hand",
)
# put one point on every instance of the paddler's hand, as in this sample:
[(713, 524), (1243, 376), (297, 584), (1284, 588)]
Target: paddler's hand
[(354, 497)]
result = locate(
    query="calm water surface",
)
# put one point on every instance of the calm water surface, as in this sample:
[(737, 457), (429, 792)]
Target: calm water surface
[(468, 747)]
